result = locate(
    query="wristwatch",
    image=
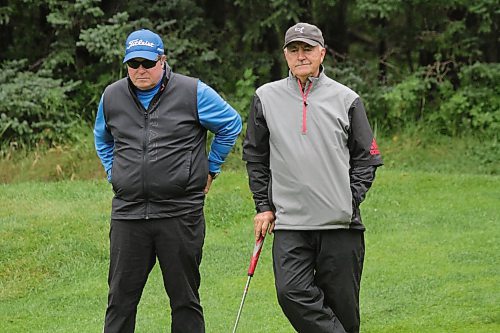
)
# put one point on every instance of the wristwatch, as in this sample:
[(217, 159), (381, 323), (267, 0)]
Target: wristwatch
[(213, 174)]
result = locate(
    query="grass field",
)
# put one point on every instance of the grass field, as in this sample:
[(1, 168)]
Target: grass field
[(432, 259)]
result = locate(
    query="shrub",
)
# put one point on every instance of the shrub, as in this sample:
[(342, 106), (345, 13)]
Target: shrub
[(34, 107), (245, 89), (405, 101), (475, 105)]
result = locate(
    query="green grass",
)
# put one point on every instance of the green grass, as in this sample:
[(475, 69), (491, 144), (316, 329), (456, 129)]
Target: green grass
[(432, 258), (416, 149)]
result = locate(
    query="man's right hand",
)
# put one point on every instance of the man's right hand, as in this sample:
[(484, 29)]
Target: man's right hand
[(263, 222)]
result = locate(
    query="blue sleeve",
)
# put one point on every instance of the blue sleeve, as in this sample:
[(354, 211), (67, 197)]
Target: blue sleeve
[(220, 118), (104, 142)]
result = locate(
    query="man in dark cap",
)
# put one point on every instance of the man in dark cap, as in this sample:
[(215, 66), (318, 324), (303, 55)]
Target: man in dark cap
[(311, 157), (150, 134)]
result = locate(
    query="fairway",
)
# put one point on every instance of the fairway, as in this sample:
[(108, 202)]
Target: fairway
[(432, 258)]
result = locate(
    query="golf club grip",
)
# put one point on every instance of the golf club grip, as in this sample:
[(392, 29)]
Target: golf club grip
[(255, 255)]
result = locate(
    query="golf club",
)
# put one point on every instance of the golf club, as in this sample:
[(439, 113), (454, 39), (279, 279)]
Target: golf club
[(251, 269)]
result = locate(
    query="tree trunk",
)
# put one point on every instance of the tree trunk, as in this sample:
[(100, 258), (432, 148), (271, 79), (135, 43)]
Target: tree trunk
[(382, 52), (335, 29)]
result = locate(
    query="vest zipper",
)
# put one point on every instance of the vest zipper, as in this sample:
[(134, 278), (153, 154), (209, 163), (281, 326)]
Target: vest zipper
[(304, 105), (145, 163)]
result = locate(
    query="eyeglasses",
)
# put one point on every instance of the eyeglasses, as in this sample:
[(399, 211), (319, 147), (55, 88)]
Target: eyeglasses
[(147, 64)]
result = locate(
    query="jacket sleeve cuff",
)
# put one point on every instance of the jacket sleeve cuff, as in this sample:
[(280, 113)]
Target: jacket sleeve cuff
[(263, 208)]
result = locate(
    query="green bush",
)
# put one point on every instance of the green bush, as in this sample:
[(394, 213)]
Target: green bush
[(453, 101), (475, 105), (245, 89), (405, 102), (34, 107)]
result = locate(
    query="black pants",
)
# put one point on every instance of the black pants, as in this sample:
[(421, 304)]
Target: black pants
[(317, 276), (134, 246)]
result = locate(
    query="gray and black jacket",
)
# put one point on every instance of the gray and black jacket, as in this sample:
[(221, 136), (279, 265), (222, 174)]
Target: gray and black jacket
[(317, 149)]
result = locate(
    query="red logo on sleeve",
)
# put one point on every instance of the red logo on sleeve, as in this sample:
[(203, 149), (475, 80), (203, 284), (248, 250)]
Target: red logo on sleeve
[(374, 148)]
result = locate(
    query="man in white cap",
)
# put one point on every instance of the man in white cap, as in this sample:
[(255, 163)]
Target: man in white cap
[(150, 134), (311, 158)]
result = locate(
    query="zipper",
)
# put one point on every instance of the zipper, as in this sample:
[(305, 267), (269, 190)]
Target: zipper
[(152, 106), (144, 162), (304, 105)]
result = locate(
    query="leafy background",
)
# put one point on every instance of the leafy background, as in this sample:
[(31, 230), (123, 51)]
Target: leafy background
[(415, 63)]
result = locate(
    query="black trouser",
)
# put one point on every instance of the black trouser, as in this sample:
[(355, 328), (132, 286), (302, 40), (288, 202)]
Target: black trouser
[(317, 276), (135, 244)]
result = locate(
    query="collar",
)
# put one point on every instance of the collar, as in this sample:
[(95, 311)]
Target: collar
[(292, 79)]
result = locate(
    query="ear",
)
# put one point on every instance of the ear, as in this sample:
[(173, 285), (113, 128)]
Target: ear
[(323, 53), (163, 59)]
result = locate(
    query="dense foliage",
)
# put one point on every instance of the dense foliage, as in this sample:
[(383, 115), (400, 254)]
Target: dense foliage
[(434, 63)]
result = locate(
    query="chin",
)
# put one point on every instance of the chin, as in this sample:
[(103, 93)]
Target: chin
[(303, 73), (143, 85)]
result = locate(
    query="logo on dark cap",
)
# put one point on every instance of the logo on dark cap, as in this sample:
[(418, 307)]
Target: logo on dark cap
[(306, 33)]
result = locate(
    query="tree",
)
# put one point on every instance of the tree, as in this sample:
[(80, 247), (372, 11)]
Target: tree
[(418, 55)]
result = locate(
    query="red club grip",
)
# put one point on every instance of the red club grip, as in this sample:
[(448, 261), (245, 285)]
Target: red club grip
[(255, 256)]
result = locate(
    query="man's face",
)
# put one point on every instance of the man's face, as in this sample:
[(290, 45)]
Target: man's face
[(303, 59), (145, 78)]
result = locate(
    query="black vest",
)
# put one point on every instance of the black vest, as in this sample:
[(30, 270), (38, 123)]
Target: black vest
[(160, 163)]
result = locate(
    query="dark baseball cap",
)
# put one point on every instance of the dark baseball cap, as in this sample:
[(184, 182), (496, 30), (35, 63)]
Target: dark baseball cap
[(304, 32)]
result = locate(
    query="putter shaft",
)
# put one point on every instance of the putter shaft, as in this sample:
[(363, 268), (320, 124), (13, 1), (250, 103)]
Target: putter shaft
[(245, 291), (251, 269)]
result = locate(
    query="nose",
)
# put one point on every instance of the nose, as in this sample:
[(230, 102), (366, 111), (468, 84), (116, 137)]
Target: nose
[(301, 54)]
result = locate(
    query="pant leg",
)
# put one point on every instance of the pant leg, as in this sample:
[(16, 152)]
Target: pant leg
[(338, 274), (302, 301), (179, 243), (131, 260)]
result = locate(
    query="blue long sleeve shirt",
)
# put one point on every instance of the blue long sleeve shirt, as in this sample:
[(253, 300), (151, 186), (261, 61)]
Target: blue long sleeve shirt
[(214, 113)]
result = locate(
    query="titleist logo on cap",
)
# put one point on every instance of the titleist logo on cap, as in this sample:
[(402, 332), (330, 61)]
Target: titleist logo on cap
[(137, 42)]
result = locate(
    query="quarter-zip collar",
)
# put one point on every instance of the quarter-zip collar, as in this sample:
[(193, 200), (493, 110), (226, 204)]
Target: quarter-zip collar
[(304, 92), (292, 79)]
